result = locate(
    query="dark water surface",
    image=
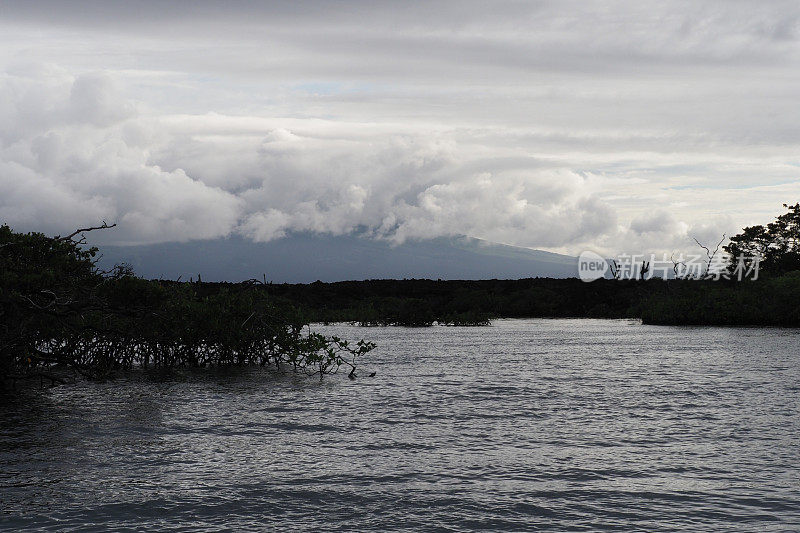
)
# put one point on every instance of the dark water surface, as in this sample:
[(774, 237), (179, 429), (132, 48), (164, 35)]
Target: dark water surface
[(560, 425)]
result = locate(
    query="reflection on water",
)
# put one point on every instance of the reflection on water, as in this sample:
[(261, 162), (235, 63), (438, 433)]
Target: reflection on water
[(550, 424)]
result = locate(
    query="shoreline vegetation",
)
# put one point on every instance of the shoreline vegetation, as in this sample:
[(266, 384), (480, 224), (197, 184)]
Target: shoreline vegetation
[(704, 298), (61, 317), (770, 301), (60, 313)]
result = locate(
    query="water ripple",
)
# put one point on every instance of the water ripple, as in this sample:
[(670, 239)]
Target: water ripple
[(552, 425)]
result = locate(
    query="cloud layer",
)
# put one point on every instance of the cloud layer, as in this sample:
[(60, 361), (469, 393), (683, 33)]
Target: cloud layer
[(615, 126)]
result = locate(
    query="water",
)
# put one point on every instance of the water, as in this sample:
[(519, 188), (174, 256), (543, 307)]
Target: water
[(528, 424)]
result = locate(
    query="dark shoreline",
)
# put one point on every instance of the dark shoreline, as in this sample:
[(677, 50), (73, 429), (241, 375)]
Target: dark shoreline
[(773, 301)]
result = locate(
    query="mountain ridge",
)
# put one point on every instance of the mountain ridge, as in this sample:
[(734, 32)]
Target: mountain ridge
[(305, 257)]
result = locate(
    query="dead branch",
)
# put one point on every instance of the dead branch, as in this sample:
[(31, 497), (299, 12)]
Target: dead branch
[(676, 267), (614, 267), (644, 269), (81, 231), (709, 254)]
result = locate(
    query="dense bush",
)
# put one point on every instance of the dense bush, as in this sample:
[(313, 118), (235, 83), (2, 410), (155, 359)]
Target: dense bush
[(420, 302), (767, 301), (771, 301), (57, 311)]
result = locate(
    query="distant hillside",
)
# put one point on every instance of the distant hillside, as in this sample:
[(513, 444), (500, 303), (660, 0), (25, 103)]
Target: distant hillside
[(303, 258)]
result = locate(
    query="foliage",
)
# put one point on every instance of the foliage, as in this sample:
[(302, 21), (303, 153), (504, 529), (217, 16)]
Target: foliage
[(777, 244), (421, 302), (773, 301), (58, 311)]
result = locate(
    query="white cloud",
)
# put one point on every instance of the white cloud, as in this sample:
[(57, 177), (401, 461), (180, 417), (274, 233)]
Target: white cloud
[(76, 168), (559, 125), (161, 180)]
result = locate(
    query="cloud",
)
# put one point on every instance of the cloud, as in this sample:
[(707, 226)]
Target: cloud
[(94, 159), (563, 125), (93, 99), (76, 168), (656, 222)]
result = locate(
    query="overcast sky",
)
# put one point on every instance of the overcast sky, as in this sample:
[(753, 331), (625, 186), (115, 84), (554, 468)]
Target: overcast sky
[(615, 126)]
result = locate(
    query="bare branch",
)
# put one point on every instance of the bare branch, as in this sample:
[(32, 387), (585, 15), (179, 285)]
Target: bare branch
[(709, 254), (72, 235), (676, 267), (614, 268), (644, 269), (702, 246)]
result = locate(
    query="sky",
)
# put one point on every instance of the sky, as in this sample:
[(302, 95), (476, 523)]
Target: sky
[(612, 126)]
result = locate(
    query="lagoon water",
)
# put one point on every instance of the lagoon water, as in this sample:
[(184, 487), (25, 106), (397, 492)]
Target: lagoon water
[(562, 425)]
